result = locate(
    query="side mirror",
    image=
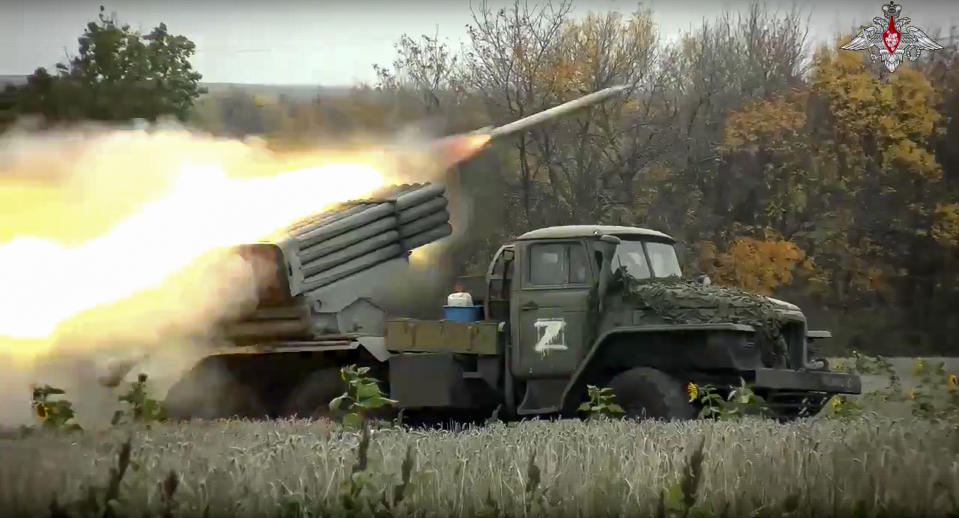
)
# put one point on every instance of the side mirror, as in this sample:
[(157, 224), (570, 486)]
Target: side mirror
[(508, 255)]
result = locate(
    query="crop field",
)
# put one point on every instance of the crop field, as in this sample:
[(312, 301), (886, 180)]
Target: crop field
[(878, 462)]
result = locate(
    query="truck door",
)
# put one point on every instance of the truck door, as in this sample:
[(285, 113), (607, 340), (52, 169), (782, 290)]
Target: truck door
[(550, 308)]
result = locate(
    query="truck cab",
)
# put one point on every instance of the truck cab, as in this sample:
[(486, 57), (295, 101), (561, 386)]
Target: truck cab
[(548, 300)]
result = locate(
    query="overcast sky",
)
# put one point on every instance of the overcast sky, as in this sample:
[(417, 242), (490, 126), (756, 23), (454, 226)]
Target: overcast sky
[(336, 42)]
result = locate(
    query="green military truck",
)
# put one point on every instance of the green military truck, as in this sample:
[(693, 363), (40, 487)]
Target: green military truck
[(562, 308)]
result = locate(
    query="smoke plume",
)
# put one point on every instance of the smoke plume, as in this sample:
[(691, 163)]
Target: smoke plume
[(112, 245), (110, 248)]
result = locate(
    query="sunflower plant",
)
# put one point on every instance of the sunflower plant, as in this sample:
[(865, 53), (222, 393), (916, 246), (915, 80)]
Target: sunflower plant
[(53, 414), (362, 396), (842, 407), (141, 408), (739, 401), (937, 393), (600, 403), (710, 401)]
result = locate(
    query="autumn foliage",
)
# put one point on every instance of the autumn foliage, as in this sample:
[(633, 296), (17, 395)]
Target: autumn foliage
[(757, 265), (810, 174)]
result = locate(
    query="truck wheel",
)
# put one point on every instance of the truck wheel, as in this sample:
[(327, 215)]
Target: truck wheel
[(648, 393), (311, 398), (210, 391)]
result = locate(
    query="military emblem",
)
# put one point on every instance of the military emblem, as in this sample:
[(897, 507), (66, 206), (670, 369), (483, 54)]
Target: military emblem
[(891, 37)]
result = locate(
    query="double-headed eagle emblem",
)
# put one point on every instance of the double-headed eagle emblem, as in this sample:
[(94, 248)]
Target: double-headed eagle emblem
[(891, 37)]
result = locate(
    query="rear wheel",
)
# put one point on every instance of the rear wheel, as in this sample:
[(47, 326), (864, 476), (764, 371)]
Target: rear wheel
[(211, 391), (311, 398), (647, 393)]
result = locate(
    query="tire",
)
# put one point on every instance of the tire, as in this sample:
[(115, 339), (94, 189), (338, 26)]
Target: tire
[(211, 391), (311, 397), (646, 393)]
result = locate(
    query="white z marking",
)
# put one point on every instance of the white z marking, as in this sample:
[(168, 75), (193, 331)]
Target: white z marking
[(550, 334)]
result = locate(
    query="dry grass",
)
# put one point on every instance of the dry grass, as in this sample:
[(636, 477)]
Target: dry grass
[(611, 468), (882, 463)]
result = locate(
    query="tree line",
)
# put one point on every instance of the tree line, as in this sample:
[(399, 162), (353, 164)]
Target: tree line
[(795, 170)]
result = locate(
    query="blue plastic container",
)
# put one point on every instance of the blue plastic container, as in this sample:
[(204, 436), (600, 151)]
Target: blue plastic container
[(463, 313)]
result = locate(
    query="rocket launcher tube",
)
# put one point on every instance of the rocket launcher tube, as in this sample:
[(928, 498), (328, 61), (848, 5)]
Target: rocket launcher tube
[(352, 237), (376, 257), (323, 228), (351, 252), (342, 242), (362, 247)]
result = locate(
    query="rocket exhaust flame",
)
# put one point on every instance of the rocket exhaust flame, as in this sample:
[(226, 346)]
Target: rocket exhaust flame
[(459, 148), (49, 282)]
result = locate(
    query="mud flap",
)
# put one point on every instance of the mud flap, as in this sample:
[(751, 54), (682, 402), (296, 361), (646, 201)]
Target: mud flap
[(543, 396)]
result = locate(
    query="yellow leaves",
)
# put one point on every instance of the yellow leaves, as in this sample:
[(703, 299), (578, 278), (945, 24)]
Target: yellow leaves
[(899, 112), (752, 264), (763, 123), (906, 155), (945, 226), (706, 256)]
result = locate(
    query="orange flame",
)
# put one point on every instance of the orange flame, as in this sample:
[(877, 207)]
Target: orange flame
[(48, 276), (458, 148)]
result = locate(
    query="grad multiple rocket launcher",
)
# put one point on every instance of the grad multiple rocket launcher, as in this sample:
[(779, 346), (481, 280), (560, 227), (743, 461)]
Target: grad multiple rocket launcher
[(306, 275), (550, 323)]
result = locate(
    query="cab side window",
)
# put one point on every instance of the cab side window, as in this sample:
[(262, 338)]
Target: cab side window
[(578, 266), (556, 264)]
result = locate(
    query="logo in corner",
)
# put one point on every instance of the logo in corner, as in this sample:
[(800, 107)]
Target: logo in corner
[(891, 37)]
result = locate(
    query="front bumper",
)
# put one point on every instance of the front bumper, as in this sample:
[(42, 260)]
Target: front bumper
[(807, 381)]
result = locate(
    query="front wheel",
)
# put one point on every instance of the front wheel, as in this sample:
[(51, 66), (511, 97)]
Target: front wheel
[(647, 393)]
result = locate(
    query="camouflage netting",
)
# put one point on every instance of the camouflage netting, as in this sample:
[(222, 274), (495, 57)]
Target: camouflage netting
[(685, 301)]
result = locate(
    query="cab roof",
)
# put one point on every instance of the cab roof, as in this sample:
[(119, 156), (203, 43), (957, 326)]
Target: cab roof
[(573, 231)]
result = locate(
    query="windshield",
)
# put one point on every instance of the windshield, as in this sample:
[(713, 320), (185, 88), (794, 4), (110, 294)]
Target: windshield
[(629, 255)]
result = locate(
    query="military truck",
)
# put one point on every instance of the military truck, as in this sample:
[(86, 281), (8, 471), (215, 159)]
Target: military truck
[(562, 308)]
